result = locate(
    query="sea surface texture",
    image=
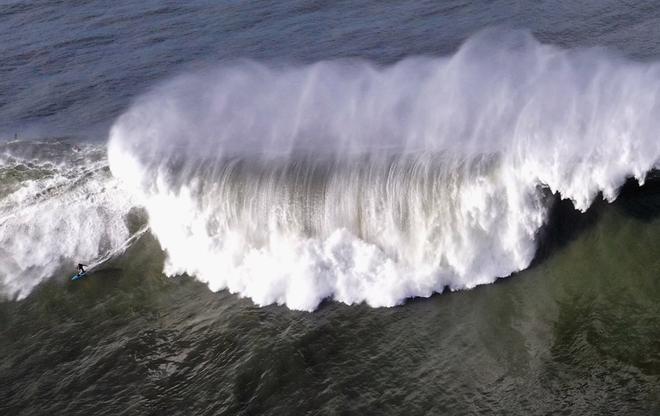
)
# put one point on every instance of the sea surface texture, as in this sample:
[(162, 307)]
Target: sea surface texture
[(306, 207)]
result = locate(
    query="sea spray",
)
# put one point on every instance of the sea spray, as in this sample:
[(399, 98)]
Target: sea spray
[(344, 180)]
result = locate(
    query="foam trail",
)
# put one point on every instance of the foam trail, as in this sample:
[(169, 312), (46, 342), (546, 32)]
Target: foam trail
[(372, 184), (58, 207), (121, 249)]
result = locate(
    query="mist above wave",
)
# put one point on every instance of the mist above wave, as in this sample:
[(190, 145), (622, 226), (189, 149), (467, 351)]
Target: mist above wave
[(341, 179)]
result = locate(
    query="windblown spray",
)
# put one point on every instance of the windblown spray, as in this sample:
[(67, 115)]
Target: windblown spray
[(361, 183)]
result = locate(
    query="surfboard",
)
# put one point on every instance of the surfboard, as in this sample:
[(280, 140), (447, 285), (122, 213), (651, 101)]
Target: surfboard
[(79, 276)]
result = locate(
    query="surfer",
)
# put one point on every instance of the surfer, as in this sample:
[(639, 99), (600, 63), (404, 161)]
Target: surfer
[(81, 269)]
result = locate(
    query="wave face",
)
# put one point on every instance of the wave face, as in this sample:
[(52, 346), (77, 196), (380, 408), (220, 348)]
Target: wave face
[(359, 183), (59, 205)]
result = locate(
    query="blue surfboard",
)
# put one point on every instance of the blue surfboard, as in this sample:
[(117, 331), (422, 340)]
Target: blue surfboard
[(79, 276)]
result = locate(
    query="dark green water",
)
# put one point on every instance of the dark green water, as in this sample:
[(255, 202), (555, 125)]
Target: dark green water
[(578, 333)]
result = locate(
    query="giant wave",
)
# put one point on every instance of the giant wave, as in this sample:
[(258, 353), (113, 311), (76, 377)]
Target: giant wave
[(363, 183)]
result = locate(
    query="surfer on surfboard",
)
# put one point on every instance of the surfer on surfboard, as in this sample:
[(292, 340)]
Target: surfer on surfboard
[(81, 269)]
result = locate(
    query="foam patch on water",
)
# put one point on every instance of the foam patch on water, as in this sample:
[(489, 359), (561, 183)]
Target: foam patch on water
[(64, 208)]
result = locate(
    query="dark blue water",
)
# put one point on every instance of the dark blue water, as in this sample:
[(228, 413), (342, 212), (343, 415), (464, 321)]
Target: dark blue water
[(71, 67)]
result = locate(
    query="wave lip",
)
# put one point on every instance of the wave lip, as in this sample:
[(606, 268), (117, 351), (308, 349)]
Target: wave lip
[(371, 184)]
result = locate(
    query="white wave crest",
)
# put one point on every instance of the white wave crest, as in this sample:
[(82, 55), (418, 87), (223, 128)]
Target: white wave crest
[(349, 181)]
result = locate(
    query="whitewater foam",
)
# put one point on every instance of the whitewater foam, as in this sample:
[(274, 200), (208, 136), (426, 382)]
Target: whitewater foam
[(360, 183), (64, 208)]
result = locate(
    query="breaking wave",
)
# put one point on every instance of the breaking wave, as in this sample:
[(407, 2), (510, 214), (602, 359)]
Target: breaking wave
[(362, 183)]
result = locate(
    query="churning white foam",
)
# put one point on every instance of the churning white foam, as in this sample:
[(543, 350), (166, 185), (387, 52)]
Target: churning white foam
[(361, 183), (61, 211)]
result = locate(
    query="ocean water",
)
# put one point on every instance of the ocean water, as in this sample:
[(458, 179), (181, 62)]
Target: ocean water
[(314, 208)]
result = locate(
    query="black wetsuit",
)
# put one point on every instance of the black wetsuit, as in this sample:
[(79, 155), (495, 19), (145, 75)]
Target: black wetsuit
[(80, 268)]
